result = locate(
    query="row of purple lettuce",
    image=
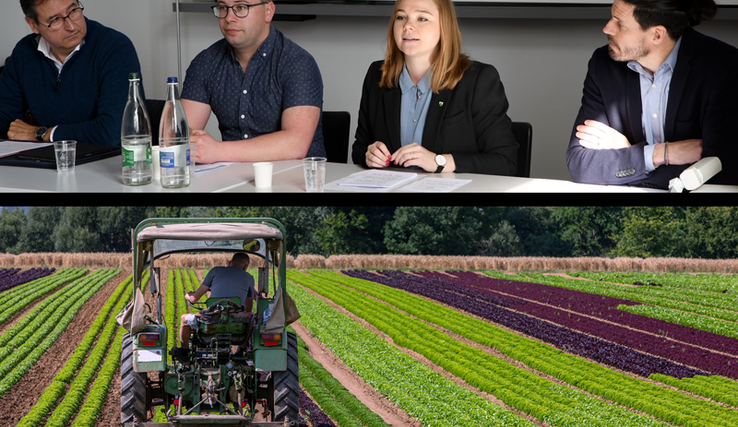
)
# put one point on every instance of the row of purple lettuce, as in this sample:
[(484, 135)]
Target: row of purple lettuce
[(10, 277)]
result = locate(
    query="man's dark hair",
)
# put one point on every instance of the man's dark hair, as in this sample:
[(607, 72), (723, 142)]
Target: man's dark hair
[(675, 15), (240, 258), (29, 8)]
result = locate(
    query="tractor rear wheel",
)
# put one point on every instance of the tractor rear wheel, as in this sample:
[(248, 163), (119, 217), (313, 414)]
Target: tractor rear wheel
[(132, 386), (287, 385)]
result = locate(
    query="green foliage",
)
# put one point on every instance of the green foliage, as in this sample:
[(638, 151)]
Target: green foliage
[(503, 242), (342, 233), (438, 230), (11, 227), (588, 230), (38, 228), (582, 231)]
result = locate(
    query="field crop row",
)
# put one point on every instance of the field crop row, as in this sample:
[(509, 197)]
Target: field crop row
[(684, 333), (703, 312), (337, 402), (71, 383), (662, 403), (418, 390), (20, 297), (38, 330), (587, 313), (712, 282), (517, 387), (566, 339), (10, 278)]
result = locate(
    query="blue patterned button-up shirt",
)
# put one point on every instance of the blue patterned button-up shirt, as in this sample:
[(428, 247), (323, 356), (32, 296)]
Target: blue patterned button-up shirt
[(280, 75)]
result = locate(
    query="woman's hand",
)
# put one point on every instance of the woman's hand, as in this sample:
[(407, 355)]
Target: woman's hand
[(377, 155), (415, 155)]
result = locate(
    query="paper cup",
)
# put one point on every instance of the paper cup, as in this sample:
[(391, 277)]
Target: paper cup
[(263, 174)]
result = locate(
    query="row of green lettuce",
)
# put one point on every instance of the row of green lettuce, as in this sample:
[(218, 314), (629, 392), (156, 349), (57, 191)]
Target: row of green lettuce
[(30, 337), (416, 326), (82, 390)]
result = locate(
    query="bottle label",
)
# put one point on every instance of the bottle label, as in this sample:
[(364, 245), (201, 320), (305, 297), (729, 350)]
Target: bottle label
[(175, 156), (136, 153)]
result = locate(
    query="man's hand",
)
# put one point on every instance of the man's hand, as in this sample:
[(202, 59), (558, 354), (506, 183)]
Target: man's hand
[(599, 136), (679, 152), (207, 146), (22, 130), (190, 296)]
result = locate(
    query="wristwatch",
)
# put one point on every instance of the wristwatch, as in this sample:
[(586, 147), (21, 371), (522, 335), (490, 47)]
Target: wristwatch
[(441, 162), (41, 133)]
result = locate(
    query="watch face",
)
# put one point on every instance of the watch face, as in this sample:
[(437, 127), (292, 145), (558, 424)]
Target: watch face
[(440, 160), (40, 132)]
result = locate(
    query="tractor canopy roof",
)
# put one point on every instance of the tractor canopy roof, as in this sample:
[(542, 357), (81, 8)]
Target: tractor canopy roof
[(154, 238)]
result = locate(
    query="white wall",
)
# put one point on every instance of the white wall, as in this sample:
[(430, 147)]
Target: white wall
[(542, 63)]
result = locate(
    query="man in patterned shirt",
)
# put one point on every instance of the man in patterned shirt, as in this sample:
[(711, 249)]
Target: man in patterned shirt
[(265, 90)]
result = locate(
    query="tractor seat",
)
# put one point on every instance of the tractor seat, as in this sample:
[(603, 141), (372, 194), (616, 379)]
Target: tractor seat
[(218, 325)]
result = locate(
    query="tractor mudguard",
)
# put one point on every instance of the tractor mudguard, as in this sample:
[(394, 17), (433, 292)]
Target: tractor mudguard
[(150, 349)]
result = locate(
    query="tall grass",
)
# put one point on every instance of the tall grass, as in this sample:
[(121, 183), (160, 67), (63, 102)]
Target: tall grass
[(124, 260), (517, 263)]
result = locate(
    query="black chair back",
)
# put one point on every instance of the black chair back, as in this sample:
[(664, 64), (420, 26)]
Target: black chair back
[(336, 129), (524, 136)]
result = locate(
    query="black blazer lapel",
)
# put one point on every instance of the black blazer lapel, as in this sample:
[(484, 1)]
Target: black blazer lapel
[(391, 100), (634, 106), (439, 104), (679, 82)]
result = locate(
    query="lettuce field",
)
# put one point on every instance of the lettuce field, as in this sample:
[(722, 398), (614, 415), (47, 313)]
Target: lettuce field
[(413, 347)]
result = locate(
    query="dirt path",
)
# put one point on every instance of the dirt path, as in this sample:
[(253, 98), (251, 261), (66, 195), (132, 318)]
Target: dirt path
[(15, 404)]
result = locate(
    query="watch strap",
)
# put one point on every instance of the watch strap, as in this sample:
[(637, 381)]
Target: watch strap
[(440, 166)]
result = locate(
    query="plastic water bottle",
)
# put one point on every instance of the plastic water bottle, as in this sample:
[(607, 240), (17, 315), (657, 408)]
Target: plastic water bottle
[(174, 141), (135, 136)]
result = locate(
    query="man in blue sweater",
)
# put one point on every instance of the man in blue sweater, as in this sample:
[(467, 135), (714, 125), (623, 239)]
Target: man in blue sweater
[(68, 80)]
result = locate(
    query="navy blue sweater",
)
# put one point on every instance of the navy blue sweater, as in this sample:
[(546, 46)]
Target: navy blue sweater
[(86, 100)]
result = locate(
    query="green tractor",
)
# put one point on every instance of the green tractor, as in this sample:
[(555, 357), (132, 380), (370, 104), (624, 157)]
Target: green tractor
[(238, 366)]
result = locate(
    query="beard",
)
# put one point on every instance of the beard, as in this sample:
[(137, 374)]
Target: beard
[(629, 53)]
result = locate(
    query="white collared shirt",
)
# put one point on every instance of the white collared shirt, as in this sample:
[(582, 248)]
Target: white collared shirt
[(654, 98), (45, 48)]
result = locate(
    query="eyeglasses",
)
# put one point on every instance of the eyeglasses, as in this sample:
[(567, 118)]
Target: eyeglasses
[(240, 10), (73, 15)]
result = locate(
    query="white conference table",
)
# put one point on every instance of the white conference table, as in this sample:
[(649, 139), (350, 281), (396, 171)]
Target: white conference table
[(104, 176)]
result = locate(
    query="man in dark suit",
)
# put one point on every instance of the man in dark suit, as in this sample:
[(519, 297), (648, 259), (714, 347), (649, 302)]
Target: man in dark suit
[(659, 97)]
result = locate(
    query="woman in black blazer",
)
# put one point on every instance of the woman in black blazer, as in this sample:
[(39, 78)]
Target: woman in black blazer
[(462, 114)]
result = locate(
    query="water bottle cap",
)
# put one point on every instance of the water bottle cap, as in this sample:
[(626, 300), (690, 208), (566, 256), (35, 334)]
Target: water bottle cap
[(134, 76), (171, 80)]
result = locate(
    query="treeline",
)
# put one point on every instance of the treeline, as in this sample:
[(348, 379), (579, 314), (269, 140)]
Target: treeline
[(581, 231)]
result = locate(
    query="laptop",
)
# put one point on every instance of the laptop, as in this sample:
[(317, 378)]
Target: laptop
[(44, 157)]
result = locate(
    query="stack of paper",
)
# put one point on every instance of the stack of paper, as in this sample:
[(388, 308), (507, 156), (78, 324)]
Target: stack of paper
[(380, 179)]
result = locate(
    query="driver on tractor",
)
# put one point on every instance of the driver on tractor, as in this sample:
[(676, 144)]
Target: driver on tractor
[(222, 282)]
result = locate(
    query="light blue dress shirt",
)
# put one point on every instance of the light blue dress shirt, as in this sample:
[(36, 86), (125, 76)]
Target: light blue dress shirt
[(654, 97), (413, 107)]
